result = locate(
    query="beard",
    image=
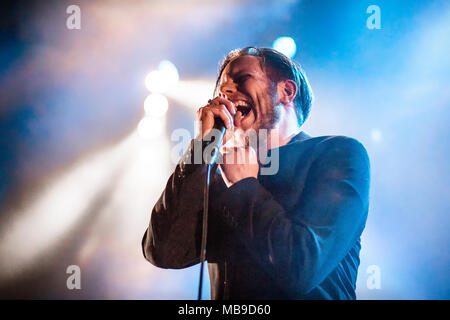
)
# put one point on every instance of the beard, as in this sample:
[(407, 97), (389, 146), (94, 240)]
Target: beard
[(272, 114), (270, 119)]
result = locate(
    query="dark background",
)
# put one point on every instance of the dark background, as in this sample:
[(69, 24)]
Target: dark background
[(77, 182)]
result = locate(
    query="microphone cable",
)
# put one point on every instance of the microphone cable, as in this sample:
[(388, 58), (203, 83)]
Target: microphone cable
[(214, 155)]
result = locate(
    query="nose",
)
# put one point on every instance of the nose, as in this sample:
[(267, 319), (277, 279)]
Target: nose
[(227, 88)]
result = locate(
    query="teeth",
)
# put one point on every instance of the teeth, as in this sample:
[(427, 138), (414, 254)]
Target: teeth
[(242, 104)]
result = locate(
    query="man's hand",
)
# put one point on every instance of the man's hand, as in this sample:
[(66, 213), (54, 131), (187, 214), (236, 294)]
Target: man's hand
[(239, 163), (219, 107)]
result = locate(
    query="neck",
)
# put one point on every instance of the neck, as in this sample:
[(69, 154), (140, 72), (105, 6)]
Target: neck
[(286, 128)]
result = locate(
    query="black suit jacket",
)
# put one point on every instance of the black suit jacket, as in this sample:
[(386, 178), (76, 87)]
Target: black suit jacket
[(292, 235)]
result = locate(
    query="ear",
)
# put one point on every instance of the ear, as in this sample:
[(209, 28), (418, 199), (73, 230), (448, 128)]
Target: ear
[(287, 91)]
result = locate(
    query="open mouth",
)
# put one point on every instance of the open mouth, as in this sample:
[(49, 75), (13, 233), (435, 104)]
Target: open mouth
[(244, 107)]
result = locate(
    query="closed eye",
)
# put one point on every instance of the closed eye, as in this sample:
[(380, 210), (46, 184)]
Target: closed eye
[(243, 78)]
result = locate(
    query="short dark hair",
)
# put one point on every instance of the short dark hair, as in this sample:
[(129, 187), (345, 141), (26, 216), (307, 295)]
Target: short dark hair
[(282, 68)]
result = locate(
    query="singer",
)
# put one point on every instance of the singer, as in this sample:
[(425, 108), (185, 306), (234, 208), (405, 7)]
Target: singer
[(294, 234)]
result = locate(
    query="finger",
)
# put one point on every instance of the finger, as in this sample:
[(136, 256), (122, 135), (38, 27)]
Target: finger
[(205, 117), (229, 118), (218, 112), (227, 150), (252, 155), (235, 155), (215, 103), (245, 155), (242, 155), (237, 119), (230, 105), (229, 156)]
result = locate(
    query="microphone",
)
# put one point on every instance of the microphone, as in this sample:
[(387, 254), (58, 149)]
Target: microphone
[(219, 124), (217, 142)]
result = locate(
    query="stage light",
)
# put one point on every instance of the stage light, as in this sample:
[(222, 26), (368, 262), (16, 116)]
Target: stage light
[(169, 70), (155, 82), (156, 105), (159, 81), (192, 93), (376, 135), (285, 45), (42, 224), (150, 128)]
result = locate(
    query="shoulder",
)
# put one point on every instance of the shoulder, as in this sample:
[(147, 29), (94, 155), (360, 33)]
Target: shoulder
[(328, 144), (339, 149), (341, 160), (340, 143)]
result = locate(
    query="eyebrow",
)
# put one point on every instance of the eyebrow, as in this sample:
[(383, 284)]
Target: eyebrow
[(241, 73)]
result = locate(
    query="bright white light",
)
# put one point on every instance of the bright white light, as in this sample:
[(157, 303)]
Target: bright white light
[(33, 237), (156, 82), (159, 81), (150, 128), (192, 94), (285, 45), (156, 105), (169, 69), (376, 135), (43, 223)]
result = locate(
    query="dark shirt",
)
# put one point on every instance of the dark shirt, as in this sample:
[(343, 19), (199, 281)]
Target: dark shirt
[(291, 235)]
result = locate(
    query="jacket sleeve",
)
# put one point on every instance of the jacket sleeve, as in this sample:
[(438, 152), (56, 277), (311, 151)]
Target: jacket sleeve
[(172, 240), (302, 247)]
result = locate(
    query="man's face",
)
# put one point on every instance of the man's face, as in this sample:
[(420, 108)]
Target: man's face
[(247, 85)]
